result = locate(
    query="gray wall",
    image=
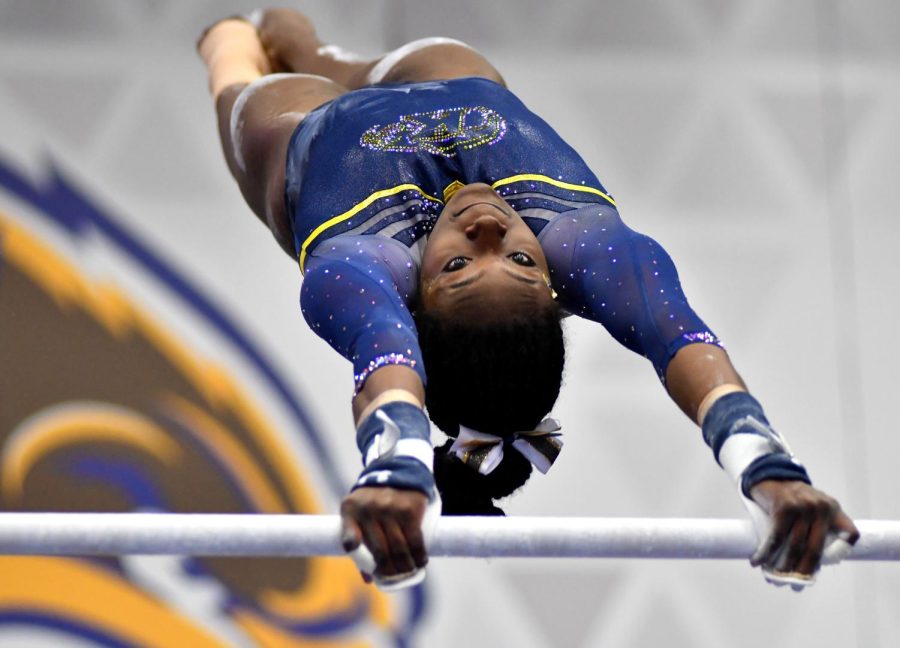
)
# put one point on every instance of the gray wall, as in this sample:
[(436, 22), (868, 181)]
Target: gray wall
[(759, 142)]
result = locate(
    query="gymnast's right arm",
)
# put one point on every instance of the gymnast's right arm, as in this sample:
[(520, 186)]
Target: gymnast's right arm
[(354, 296)]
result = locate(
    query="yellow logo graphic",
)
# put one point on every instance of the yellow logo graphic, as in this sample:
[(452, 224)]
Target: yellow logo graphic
[(440, 132), (105, 407)]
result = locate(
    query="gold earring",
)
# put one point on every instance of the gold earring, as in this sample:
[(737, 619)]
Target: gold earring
[(553, 293)]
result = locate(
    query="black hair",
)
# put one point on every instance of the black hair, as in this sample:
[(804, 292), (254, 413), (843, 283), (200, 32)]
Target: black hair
[(498, 377)]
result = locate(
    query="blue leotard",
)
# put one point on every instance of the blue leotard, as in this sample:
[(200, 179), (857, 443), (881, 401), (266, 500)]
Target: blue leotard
[(368, 175)]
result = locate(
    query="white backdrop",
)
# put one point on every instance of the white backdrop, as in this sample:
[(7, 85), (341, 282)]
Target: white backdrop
[(758, 142)]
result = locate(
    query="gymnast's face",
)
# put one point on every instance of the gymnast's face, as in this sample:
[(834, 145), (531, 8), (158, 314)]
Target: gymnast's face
[(482, 259)]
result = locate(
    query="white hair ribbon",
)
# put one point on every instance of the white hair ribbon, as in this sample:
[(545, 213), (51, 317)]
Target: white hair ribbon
[(484, 452)]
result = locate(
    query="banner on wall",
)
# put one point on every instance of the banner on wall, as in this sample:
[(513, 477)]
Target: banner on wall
[(123, 387)]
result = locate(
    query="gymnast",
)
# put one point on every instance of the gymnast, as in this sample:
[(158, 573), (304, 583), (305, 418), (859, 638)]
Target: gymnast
[(443, 230)]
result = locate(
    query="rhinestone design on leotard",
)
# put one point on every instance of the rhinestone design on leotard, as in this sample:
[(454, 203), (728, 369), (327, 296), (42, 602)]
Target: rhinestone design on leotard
[(706, 337), (439, 132), (359, 380)]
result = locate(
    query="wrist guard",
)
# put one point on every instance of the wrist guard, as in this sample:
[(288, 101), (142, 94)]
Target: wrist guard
[(395, 444), (746, 446)]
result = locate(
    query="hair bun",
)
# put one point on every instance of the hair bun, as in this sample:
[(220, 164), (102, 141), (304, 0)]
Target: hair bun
[(465, 491)]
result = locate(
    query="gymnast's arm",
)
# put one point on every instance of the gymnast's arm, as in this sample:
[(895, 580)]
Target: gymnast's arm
[(606, 272), (355, 296), (699, 378)]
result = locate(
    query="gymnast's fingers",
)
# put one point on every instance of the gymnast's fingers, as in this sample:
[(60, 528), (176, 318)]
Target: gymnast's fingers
[(411, 520), (795, 547), (840, 541), (376, 539), (351, 533), (811, 558), (401, 559), (769, 551), (352, 540), (845, 528)]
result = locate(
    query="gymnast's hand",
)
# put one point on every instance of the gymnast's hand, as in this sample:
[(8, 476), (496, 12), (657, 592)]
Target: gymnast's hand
[(807, 525), (389, 522)]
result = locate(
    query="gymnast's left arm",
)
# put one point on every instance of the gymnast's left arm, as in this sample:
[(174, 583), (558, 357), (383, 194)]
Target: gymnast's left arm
[(607, 272), (800, 527)]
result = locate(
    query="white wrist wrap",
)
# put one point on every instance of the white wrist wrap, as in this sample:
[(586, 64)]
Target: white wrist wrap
[(741, 450), (389, 443), (418, 449)]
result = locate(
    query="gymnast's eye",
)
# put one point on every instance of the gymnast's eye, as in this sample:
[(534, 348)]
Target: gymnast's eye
[(456, 263), (522, 259)]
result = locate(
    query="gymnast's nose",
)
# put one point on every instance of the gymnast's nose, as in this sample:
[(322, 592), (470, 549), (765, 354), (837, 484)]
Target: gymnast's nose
[(486, 230)]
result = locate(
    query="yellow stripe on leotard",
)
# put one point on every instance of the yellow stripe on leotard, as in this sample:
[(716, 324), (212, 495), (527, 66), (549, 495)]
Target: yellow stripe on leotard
[(525, 177), (350, 213)]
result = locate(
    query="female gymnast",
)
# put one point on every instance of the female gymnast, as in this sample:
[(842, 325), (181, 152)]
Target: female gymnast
[(443, 229)]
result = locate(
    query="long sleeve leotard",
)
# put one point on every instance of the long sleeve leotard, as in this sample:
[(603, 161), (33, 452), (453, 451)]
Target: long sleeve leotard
[(358, 291), (367, 176), (606, 272)]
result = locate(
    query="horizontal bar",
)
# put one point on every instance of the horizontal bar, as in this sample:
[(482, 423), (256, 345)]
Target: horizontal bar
[(82, 534)]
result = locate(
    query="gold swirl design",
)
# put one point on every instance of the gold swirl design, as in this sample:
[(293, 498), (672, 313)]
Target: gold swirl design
[(439, 132), (99, 377)]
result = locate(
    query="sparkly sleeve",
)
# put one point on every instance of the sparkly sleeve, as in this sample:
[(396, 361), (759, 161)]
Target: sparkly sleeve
[(606, 272), (355, 296)]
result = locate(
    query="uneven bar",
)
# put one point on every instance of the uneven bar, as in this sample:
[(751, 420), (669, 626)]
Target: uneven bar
[(82, 534)]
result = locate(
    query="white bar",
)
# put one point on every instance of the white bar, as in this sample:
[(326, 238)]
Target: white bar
[(318, 535)]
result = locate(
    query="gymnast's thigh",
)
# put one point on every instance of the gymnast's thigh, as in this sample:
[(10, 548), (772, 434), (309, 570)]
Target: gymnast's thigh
[(262, 121)]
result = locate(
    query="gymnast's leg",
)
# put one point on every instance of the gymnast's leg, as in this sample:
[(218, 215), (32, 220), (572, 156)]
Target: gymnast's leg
[(292, 44), (265, 75), (258, 111)]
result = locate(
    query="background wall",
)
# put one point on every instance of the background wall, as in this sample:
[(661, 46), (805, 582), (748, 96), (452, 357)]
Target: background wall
[(759, 142)]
